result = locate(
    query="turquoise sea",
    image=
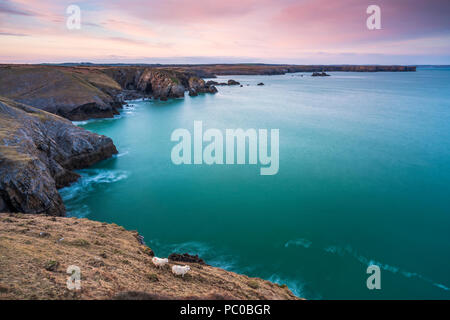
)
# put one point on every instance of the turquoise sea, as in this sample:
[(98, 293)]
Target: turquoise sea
[(364, 179)]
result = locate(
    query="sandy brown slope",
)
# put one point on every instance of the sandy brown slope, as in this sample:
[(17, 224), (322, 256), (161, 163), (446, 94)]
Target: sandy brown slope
[(35, 251)]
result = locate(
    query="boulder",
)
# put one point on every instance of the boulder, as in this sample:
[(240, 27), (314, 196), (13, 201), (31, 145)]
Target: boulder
[(320, 74), (186, 257), (232, 82), (212, 83)]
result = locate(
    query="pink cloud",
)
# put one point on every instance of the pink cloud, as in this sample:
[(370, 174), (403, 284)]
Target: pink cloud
[(263, 29)]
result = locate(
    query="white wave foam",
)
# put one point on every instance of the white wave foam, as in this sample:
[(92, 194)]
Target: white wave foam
[(121, 154), (298, 242), (441, 286), (393, 269), (127, 110), (91, 177), (296, 287), (80, 123), (74, 194), (191, 247), (79, 212)]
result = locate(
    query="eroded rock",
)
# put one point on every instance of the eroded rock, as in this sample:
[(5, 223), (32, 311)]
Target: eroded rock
[(38, 152)]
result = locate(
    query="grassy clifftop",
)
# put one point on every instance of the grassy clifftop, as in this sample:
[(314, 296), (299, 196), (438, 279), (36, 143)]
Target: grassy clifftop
[(35, 251), (68, 92)]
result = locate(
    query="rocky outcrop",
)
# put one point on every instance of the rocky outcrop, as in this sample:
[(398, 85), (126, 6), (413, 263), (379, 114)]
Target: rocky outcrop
[(113, 262), (38, 152), (197, 85), (232, 82), (159, 83), (186, 257), (320, 74)]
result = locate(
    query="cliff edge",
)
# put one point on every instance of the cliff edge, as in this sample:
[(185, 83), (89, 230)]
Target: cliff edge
[(36, 250)]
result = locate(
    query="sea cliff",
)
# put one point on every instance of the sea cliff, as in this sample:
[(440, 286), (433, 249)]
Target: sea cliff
[(38, 153), (36, 251)]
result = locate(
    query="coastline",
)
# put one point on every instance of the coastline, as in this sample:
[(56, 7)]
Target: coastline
[(88, 120)]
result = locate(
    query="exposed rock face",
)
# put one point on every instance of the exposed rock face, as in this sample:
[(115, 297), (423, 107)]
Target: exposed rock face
[(197, 86), (230, 82), (112, 262), (38, 152), (186, 257), (320, 74), (73, 93), (159, 83)]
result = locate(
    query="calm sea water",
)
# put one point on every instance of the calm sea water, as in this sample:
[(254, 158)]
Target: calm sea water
[(364, 179)]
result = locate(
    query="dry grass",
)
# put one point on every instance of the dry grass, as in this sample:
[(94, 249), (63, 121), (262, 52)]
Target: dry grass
[(36, 250)]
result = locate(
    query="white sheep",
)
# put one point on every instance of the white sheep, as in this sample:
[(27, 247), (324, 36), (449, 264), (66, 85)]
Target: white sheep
[(160, 262), (180, 270)]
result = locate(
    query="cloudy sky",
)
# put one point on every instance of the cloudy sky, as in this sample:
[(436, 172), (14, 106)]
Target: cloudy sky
[(206, 31)]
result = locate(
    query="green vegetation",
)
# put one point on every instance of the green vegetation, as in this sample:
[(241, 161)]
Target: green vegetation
[(51, 265)]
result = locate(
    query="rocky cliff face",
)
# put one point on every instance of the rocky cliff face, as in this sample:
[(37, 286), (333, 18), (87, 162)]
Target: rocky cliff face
[(73, 93), (38, 152), (36, 251), (159, 83)]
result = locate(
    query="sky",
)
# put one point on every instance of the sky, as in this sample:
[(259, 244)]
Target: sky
[(225, 31)]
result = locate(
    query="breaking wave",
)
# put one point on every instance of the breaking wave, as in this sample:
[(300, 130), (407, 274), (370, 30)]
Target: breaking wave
[(74, 194), (126, 110)]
